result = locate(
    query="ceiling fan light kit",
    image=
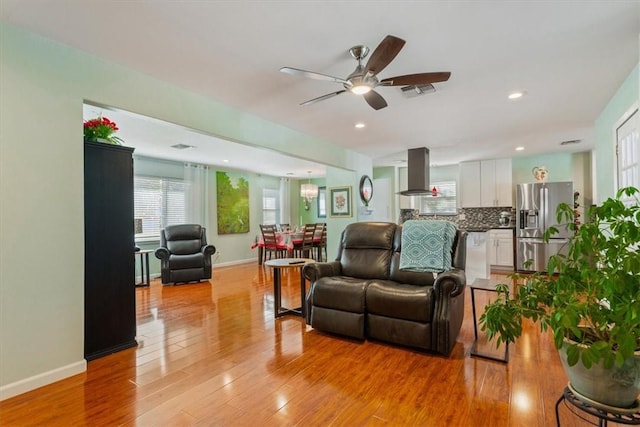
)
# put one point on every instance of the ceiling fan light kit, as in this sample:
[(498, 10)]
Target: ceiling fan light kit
[(363, 80), (361, 89)]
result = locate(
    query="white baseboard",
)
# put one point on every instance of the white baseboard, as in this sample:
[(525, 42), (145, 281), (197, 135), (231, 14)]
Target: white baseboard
[(42, 379), (230, 263)]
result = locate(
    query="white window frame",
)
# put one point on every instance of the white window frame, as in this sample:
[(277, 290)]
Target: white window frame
[(627, 150)]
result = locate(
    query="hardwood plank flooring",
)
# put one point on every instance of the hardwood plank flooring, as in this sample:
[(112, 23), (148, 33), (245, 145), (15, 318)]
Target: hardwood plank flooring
[(212, 354)]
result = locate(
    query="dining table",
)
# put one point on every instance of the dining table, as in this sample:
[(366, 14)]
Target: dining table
[(284, 238)]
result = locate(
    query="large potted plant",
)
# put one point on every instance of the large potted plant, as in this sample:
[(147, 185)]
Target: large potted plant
[(591, 303)]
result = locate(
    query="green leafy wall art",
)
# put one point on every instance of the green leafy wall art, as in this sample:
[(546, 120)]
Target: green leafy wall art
[(233, 202)]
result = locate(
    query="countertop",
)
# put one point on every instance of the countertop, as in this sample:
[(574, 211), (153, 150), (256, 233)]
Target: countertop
[(484, 228)]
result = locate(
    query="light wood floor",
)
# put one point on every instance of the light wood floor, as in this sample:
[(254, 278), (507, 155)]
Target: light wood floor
[(212, 354)]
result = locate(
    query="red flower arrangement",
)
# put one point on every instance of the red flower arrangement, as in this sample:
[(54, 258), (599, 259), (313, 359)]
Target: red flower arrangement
[(101, 128)]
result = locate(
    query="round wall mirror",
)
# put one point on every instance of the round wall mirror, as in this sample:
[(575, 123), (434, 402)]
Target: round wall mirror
[(366, 189)]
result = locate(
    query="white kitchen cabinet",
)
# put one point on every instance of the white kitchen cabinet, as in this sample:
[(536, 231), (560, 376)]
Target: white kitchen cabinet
[(500, 248), (469, 184), (504, 188), (486, 183)]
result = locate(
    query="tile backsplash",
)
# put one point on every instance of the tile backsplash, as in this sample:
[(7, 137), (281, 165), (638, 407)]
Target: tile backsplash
[(473, 217), (484, 217)]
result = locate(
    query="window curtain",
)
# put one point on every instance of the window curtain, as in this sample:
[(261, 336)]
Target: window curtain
[(196, 179), (285, 201)]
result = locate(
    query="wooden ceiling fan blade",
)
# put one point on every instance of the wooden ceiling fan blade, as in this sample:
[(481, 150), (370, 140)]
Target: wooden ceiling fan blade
[(384, 54), (312, 75), (323, 97), (375, 100), (416, 79)]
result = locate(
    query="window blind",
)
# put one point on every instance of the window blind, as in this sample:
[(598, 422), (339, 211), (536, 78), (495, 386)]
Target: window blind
[(158, 202), (444, 202), (270, 206)]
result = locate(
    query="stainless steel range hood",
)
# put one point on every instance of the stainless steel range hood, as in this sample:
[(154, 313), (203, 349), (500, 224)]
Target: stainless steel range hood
[(417, 172)]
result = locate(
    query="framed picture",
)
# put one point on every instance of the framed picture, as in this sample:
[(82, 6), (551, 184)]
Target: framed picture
[(340, 199), (322, 202), (232, 189)]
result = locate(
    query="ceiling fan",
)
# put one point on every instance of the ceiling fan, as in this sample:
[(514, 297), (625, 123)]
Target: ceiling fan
[(363, 80)]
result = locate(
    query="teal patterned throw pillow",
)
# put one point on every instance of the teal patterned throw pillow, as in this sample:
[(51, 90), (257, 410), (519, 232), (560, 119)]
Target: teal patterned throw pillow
[(426, 245)]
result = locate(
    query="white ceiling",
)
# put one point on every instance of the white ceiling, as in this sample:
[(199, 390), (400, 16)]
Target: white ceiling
[(569, 56), (156, 138)]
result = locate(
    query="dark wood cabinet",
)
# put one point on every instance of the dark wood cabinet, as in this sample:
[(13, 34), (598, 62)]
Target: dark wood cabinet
[(109, 266)]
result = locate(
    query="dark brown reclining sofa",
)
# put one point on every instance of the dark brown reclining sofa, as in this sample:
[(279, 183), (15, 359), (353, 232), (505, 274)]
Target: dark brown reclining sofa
[(364, 294)]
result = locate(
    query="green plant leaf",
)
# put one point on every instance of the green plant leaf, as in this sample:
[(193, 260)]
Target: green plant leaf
[(573, 354)]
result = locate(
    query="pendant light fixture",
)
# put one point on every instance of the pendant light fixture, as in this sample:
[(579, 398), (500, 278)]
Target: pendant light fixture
[(308, 192)]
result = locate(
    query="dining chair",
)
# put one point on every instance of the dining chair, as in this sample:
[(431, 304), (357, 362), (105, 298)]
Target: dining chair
[(270, 242), (306, 249), (320, 243)]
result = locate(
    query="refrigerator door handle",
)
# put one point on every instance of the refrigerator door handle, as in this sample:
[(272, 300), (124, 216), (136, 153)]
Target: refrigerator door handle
[(544, 198)]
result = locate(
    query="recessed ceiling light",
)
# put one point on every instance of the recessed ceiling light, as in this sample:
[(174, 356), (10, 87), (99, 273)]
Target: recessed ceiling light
[(519, 148), (360, 125), (516, 95), (226, 160)]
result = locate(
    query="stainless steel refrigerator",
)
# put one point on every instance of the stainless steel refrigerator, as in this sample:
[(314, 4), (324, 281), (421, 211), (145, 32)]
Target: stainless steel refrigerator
[(536, 205)]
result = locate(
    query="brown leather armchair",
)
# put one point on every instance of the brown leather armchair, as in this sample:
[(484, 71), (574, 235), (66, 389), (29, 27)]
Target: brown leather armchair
[(184, 254), (364, 294)]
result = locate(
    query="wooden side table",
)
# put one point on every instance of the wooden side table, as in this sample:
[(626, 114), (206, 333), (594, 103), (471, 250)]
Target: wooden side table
[(283, 263), (488, 285)]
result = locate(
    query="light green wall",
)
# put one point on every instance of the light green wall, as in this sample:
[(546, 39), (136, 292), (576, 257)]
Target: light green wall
[(148, 166), (558, 165), (339, 178), (384, 172), (388, 172), (44, 85), (575, 167), (625, 97), (310, 216), (237, 247), (444, 173)]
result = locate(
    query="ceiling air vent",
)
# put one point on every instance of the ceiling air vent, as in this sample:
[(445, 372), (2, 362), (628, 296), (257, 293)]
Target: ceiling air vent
[(571, 141), (182, 146), (417, 90)]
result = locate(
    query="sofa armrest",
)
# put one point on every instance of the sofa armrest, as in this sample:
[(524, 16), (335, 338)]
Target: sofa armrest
[(451, 282), (316, 270), (208, 250), (449, 311), (162, 253)]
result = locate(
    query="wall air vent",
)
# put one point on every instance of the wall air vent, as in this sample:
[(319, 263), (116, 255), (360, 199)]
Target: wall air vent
[(417, 90), (571, 141), (182, 146)]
